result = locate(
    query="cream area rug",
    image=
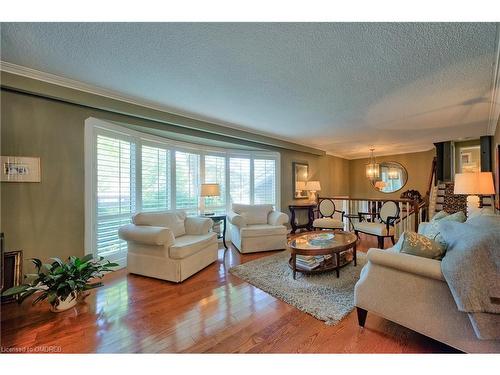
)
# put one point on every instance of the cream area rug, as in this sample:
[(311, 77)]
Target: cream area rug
[(322, 295)]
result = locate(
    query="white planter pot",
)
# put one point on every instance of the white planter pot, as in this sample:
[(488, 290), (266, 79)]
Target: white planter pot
[(63, 305)]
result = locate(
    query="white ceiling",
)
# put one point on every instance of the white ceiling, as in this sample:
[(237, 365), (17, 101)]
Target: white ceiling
[(340, 87)]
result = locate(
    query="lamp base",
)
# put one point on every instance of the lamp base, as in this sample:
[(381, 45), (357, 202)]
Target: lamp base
[(472, 204)]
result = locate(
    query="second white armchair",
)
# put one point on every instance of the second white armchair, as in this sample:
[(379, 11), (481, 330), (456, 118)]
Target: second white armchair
[(257, 228)]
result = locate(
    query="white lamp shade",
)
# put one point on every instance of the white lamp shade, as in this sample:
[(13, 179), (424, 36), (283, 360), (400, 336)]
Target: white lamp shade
[(477, 183), (210, 190), (313, 186), (300, 185)]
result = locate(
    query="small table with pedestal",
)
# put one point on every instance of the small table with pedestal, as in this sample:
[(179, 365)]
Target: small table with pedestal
[(220, 219)]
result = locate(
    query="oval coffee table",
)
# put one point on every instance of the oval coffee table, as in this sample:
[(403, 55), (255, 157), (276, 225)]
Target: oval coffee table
[(342, 242)]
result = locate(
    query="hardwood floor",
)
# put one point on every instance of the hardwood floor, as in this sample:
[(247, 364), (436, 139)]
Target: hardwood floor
[(212, 312)]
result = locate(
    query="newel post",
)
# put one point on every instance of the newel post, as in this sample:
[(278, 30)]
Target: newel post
[(417, 215)]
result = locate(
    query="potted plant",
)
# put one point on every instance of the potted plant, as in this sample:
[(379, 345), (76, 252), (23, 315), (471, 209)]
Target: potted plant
[(61, 282)]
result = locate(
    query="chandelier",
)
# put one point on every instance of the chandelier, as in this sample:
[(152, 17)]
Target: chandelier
[(372, 168)]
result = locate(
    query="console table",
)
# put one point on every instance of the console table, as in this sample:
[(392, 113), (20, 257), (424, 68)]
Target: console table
[(310, 216)]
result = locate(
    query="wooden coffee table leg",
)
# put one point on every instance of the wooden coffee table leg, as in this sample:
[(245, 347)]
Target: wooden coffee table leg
[(354, 253), (294, 263), (337, 255)]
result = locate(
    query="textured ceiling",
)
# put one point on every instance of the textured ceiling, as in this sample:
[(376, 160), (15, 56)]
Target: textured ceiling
[(340, 87)]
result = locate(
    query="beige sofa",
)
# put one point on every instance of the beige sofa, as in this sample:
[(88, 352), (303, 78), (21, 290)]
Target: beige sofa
[(412, 292), (169, 245), (257, 228)]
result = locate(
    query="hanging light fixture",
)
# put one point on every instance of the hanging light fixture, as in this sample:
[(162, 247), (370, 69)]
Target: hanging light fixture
[(372, 168)]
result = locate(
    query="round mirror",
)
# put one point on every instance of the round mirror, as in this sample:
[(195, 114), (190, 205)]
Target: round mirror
[(393, 177)]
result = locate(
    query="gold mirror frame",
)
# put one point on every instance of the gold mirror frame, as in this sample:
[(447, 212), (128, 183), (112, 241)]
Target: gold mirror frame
[(300, 175), (388, 164)]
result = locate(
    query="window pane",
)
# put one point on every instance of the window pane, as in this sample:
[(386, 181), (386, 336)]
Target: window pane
[(215, 173), (239, 180), (115, 192), (187, 181), (155, 179), (264, 181)]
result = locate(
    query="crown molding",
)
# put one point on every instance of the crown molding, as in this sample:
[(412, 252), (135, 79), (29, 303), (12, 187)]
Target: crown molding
[(137, 107), (494, 114)]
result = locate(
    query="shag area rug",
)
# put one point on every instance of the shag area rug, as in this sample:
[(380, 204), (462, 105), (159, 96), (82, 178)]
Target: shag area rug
[(322, 295)]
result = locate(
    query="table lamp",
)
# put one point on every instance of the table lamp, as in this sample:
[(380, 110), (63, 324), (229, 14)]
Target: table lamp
[(379, 185), (313, 187), (208, 190), (473, 184)]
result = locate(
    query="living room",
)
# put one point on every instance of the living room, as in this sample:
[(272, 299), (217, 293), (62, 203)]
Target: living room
[(250, 187)]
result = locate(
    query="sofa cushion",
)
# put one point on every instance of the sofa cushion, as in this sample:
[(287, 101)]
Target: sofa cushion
[(328, 223), (432, 231), (258, 230), (253, 213), (419, 245), (185, 246), (378, 229), (174, 220)]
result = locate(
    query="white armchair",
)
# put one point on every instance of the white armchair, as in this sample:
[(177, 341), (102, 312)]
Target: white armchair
[(169, 245), (256, 228)]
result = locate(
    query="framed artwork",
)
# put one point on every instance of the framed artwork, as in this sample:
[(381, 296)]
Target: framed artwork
[(300, 175), (20, 169)]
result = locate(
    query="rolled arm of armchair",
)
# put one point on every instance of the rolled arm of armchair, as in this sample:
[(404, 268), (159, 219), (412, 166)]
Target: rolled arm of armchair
[(277, 218), (147, 235), (198, 225), (236, 219), (425, 267)]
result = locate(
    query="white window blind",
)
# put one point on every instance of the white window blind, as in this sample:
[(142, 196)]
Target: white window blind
[(239, 180), (187, 181), (155, 178), (264, 190), (115, 194), (215, 173)]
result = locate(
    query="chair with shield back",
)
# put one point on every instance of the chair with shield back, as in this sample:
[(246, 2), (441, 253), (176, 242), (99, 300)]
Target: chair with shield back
[(329, 216), (379, 224)]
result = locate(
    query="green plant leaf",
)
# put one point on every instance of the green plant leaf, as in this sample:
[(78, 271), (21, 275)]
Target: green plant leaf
[(87, 258), (93, 286), (37, 263), (25, 295), (15, 290), (41, 297)]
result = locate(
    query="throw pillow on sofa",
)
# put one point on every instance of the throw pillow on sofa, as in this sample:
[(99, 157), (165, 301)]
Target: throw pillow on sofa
[(440, 215), (419, 245), (433, 232)]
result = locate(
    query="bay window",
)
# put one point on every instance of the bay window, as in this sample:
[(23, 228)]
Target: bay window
[(187, 181), (127, 171)]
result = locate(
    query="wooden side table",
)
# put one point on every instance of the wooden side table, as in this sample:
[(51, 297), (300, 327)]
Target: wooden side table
[(310, 216), (220, 219)]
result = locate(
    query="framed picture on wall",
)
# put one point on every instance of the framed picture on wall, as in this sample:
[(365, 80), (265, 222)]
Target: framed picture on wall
[(300, 176), (20, 169)]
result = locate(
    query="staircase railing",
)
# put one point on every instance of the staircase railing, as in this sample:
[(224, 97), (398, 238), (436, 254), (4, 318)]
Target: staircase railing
[(409, 211)]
